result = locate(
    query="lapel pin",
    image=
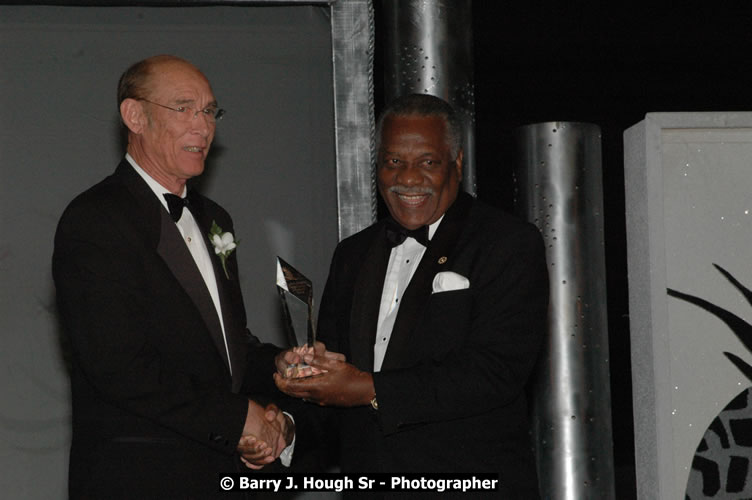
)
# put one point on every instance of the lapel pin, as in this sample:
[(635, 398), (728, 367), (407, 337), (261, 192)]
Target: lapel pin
[(442, 260)]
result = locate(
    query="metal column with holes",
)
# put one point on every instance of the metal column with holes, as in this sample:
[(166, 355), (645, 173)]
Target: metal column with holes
[(428, 49), (559, 189)]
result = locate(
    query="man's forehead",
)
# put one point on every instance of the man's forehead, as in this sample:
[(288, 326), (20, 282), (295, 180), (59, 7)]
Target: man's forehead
[(427, 130), (176, 76), (210, 101), (415, 118), (185, 94)]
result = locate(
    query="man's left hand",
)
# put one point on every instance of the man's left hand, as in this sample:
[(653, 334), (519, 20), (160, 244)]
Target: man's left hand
[(342, 385), (294, 362)]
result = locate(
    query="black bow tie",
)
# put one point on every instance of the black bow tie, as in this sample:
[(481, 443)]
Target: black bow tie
[(175, 203), (396, 234)]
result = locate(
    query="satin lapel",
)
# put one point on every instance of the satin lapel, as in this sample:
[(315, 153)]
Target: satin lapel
[(147, 206), (235, 333), (165, 237), (366, 302), (437, 258), (178, 258)]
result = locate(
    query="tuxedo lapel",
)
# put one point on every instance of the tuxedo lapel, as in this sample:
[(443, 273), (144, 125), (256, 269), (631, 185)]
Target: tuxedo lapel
[(178, 258), (236, 343), (366, 302), (437, 257), (165, 237)]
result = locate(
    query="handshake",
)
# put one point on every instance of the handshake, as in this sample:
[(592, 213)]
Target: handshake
[(268, 431)]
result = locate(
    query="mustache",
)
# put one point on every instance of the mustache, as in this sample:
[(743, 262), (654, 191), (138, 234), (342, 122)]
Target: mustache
[(404, 190)]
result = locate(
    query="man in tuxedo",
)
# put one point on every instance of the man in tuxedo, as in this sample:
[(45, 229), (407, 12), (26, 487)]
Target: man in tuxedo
[(440, 310), (163, 366)]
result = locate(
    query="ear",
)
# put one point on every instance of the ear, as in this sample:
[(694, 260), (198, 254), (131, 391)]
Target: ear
[(458, 164), (133, 115)]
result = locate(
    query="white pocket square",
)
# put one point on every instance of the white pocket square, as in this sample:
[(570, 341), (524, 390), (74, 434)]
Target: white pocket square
[(447, 281)]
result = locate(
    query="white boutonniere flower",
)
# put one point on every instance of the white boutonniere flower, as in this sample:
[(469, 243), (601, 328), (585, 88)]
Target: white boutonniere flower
[(224, 244)]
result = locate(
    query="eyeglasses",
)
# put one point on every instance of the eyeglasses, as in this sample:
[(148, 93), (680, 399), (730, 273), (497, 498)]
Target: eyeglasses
[(187, 113)]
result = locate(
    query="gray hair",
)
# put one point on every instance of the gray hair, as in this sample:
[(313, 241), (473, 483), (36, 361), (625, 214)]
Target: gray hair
[(425, 105)]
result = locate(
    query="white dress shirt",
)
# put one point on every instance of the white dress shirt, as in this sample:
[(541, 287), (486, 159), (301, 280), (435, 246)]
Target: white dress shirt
[(194, 240), (403, 261)]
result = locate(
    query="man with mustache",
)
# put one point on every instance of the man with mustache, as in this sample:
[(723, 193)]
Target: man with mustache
[(440, 310), (163, 366)]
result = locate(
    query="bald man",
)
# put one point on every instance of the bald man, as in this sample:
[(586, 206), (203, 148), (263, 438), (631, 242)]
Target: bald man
[(165, 374)]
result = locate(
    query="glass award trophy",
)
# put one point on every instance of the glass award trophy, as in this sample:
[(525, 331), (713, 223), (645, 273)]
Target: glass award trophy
[(296, 294)]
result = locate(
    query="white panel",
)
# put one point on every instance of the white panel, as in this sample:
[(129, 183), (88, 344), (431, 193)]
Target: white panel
[(689, 206)]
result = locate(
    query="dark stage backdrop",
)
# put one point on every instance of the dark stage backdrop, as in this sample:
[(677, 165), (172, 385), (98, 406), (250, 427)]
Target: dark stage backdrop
[(272, 166), (607, 64)]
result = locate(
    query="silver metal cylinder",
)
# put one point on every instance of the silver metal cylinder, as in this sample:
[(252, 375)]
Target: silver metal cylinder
[(559, 189), (428, 49)]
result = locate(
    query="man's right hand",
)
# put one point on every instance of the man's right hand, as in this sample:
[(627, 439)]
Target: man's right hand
[(265, 435)]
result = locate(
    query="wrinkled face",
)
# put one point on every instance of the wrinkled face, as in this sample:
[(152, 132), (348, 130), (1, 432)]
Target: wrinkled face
[(175, 147), (417, 176)]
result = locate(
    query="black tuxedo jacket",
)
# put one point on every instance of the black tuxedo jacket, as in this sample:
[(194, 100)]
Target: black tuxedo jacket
[(156, 412), (451, 389)]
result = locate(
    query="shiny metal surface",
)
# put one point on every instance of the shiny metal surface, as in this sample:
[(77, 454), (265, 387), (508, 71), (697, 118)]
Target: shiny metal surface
[(559, 189), (352, 54), (428, 49)]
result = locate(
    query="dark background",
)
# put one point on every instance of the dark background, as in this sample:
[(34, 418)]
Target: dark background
[(608, 65)]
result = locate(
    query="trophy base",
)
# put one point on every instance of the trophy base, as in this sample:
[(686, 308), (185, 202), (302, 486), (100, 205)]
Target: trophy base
[(299, 370)]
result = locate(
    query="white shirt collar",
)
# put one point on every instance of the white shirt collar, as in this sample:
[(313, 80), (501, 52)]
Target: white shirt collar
[(433, 227), (159, 189)]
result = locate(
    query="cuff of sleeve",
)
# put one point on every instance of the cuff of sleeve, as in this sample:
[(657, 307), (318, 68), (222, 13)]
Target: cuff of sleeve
[(286, 456), (390, 418)]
